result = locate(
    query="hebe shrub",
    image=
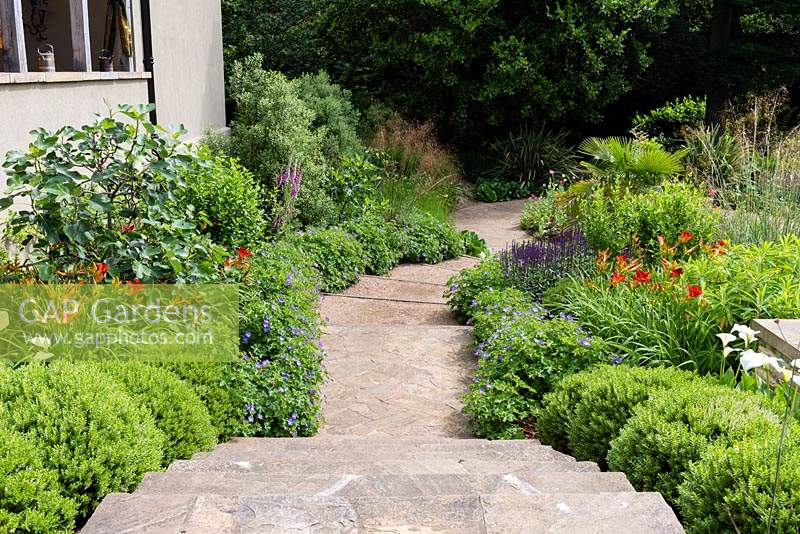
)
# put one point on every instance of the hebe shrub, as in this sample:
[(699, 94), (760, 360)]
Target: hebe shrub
[(178, 411), (380, 240), (519, 363), (336, 254), (429, 240), (274, 127), (97, 437), (731, 488), (674, 428), (279, 377), (586, 411), (464, 288), (227, 202), (333, 111), (30, 494)]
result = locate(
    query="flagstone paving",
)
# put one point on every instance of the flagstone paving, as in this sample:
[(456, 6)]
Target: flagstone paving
[(394, 454)]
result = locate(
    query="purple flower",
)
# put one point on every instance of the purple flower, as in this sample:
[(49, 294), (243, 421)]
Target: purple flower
[(246, 337), (265, 324), (453, 288), (312, 391), (292, 419), (251, 408), (585, 342), (289, 280), (281, 300), (250, 419), (616, 359)]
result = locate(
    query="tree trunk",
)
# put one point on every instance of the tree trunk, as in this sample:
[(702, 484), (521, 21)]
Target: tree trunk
[(724, 19)]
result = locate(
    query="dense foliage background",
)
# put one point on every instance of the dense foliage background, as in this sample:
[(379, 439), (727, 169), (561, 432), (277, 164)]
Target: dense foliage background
[(483, 66)]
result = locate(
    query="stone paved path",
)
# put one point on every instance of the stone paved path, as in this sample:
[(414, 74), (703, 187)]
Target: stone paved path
[(393, 455)]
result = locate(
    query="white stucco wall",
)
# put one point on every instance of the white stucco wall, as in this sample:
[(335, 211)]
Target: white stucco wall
[(187, 46), (188, 70)]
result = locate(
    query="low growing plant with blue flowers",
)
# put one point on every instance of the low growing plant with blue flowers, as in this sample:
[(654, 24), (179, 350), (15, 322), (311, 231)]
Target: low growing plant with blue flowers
[(280, 374), (527, 352)]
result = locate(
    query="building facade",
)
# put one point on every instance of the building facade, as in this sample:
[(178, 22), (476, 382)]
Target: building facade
[(164, 51)]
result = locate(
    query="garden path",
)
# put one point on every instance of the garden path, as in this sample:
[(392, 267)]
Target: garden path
[(392, 455)]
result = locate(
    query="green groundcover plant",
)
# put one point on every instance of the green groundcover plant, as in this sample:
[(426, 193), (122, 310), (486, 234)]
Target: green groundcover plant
[(525, 354)]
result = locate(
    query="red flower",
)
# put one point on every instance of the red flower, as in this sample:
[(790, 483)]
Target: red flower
[(643, 277), (694, 291), (617, 278), (134, 282), (101, 268), (243, 252), (128, 228), (712, 193), (622, 260), (676, 272), (686, 236)]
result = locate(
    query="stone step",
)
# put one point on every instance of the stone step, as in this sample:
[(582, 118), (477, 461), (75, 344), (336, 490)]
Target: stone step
[(432, 274), (426, 465), (377, 287), (533, 453), (399, 486), (219, 514), (344, 310), (397, 380)]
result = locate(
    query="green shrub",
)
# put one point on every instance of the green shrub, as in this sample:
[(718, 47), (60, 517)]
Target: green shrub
[(87, 428), (108, 201), (666, 123), (426, 239), (221, 395), (279, 377), (227, 202), (615, 221), (336, 254), (334, 112), (731, 488), (542, 216), (30, 495), (465, 287), (586, 411), (272, 128), (178, 411), (519, 363), (353, 185), (380, 239), (674, 428)]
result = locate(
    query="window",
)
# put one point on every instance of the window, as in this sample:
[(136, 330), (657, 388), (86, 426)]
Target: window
[(77, 32)]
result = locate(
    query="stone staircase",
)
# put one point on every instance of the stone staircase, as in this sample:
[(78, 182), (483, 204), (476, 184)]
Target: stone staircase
[(393, 455)]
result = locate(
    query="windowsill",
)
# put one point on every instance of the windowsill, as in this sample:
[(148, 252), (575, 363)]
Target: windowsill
[(7, 78)]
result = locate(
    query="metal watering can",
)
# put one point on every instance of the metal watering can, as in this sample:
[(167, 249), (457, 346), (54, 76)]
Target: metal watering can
[(46, 58), (106, 61)]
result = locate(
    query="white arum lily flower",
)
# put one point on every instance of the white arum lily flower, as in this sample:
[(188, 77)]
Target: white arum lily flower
[(746, 334), (726, 338), (751, 359), (795, 364), (727, 351)]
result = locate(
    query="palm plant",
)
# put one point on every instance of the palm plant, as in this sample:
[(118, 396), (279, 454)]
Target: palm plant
[(636, 162), (632, 164)]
